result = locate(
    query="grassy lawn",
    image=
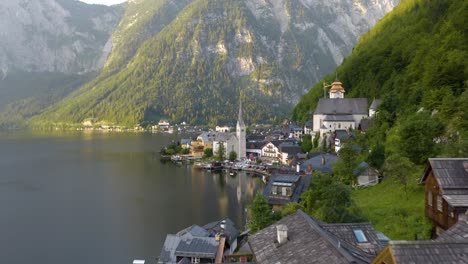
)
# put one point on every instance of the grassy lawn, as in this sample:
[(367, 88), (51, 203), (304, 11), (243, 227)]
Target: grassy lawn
[(397, 216)]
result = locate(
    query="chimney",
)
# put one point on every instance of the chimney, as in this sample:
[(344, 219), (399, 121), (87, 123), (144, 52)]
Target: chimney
[(298, 168), (223, 225), (282, 234), (323, 160)]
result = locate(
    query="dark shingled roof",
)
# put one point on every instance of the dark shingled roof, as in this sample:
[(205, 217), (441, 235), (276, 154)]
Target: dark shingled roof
[(230, 231), (342, 106), (307, 242), (302, 183), (458, 232), (425, 252), (451, 174), (316, 163), (202, 247), (345, 232)]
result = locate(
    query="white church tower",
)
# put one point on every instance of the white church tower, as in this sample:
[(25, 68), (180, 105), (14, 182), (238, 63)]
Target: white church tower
[(240, 133)]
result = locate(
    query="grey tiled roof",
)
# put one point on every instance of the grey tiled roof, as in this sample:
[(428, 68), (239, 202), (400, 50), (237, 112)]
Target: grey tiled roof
[(307, 242), (342, 106), (338, 118), (302, 185), (316, 163), (345, 232), (230, 231), (458, 232), (202, 247), (424, 252), (168, 250), (457, 200), (194, 230), (451, 174)]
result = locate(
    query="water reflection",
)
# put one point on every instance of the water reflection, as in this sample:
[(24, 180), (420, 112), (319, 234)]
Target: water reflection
[(104, 198)]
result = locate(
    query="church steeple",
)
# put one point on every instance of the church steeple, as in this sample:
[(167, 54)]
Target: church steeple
[(337, 90), (240, 120), (241, 134)]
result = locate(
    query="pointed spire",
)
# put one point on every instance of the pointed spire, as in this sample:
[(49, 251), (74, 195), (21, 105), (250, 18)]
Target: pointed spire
[(240, 120)]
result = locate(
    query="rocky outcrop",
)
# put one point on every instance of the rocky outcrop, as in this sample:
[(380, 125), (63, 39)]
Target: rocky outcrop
[(55, 35)]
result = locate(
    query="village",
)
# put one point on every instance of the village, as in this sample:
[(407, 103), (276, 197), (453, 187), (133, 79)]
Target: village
[(276, 154)]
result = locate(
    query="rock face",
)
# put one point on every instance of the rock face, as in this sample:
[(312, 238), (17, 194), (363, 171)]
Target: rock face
[(64, 36)]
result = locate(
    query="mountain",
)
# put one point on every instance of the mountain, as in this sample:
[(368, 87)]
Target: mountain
[(415, 60), (194, 60), (48, 48), (65, 36)]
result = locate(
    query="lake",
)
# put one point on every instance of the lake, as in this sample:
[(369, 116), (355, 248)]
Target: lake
[(95, 197)]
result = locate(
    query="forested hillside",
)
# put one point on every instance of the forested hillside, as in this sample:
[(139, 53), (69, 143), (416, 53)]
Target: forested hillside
[(193, 60), (415, 59)]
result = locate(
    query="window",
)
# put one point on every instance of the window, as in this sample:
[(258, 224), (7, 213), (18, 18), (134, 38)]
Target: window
[(195, 260), (429, 198), (439, 203), (274, 190), (283, 191), (360, 235)]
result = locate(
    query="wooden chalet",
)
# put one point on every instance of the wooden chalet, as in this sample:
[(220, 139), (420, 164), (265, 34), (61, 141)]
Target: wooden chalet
[(446, 189)]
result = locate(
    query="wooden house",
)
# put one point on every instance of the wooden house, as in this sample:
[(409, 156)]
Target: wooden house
[(446, 189)]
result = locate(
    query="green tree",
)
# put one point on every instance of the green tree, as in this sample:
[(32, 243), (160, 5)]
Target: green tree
[(316, 140), (232, 155), (330, 200), (417, 137), (306, 143), (347, 163), (208, 153), (221, 152), (260, 213), (400, 169), (376, 156), (290, 208)]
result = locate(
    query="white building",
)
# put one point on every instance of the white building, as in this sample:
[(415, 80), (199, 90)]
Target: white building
[(337, 112)]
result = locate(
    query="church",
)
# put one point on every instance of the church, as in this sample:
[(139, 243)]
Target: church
[(340, 113), (232, 141)]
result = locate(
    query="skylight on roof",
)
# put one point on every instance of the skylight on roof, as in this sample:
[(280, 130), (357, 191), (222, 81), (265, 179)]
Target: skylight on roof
[(360, 235)]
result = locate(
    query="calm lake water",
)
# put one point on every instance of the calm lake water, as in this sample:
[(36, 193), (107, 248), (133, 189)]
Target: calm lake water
[(103, 197)]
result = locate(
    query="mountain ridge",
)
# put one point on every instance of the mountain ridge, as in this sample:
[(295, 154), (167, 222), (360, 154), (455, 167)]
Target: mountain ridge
[(195, 68)]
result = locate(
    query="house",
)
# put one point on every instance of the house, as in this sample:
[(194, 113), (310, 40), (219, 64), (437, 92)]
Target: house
[(300, 238), (321, 162), (288, 150), (185, 143), (309, 128), (270, 151), (195, 244), (446, 189), (283, 189), (163, 124), (296, 132), (254, 148), (223, 129), (366, 175), (341, 136)]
